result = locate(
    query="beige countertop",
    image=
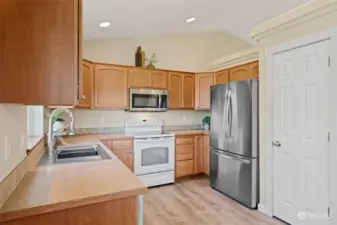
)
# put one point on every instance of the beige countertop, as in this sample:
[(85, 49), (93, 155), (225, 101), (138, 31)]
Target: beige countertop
[(56, 187)]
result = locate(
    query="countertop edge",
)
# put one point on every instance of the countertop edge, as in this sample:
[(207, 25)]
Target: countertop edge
[(7, 216)]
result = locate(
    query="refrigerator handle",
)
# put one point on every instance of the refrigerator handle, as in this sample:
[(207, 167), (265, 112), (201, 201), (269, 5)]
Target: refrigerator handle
[(230, 104), (236, 158), (227, 113), (225, 119)]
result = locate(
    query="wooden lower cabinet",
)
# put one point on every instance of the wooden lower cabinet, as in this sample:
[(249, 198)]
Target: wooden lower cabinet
[(123, 149), (121, 211), (192, 155), (206, 153), (184, 168), (198, 155), (126, 157)]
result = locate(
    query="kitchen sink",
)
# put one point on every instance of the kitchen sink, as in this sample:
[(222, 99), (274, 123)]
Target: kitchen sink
[(80, 153)]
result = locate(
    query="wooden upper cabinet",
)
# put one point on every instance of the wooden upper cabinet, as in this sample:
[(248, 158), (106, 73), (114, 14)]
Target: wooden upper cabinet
[(175, 90), (159, 79), (239, 73), (254, 70), (87, 84), (40, 52), (221, 77), (110, 87), (203, 83), (188, 91), (139, 78)]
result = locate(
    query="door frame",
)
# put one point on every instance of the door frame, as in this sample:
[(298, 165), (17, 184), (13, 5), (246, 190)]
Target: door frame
[(267, 168)]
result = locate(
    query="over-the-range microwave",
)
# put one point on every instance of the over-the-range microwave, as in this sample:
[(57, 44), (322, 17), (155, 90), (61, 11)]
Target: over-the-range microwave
[(149, 100)]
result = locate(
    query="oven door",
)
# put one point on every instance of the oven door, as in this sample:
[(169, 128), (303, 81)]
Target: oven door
[(148, 100), (153, 155)]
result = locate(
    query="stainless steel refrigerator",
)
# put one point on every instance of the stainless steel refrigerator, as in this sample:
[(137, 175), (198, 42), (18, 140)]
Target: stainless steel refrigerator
[(234, 141)]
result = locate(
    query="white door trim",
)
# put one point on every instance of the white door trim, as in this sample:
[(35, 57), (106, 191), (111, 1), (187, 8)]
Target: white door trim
[(267, 205)]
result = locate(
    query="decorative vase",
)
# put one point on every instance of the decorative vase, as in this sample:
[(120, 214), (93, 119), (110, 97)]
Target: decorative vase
[(151, 66), (139, 57), (58, 126), (206, 126)]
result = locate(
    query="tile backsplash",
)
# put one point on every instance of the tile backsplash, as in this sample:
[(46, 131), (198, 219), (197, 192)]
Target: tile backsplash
[(95, 118)]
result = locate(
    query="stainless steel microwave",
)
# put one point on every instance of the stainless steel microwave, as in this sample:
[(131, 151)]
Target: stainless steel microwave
[(148, 100)]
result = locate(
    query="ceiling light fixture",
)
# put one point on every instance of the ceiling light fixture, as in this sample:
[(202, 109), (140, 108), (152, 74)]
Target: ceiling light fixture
[(190, 20), (105, 24)]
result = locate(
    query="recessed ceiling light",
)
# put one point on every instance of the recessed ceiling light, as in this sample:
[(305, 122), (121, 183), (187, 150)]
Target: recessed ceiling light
[(105, 24), (190, 20)]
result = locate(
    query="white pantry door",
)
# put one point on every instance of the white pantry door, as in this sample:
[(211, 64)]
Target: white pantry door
[(301, 128)]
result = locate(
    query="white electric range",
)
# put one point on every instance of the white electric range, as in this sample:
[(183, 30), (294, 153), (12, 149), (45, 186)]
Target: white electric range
[(153, 151)]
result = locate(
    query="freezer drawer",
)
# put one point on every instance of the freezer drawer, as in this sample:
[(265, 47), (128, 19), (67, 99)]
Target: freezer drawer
[(234, 176)]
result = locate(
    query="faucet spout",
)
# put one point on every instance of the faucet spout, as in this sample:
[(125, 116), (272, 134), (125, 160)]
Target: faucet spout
[(51, 136)]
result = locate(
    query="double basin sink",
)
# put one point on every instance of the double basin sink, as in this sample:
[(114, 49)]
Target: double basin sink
[(80, 153)]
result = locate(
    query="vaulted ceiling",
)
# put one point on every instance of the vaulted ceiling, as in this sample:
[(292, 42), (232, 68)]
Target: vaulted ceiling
[(132, 18)]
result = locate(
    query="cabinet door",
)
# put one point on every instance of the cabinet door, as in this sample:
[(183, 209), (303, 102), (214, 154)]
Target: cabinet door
[(188, 91), (40, 52), (239, 73), (203, 83), (254, 70), (175, 90), (127, 159), (222, 77), (110, 87), (206, 154), (198, 155), (159, 79), (139, 78), (184, 152), (184, 168), (87, 80)]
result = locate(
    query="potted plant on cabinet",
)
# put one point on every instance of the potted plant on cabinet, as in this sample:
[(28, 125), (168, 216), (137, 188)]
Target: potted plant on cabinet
[(206, 122)]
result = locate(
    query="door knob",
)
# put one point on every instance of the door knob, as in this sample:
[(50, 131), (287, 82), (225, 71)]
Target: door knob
[(84, 97), (277, 144)]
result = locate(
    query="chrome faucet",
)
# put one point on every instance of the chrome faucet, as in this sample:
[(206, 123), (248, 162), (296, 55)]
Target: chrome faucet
[(51, 136)]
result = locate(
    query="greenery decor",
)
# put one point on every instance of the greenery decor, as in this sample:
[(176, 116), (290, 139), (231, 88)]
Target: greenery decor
[(206, 120), (57, 117)]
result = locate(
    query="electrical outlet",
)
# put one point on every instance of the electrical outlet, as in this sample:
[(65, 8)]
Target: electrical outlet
[(102, 119)]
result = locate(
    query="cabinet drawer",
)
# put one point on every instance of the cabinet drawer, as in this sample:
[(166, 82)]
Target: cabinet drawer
[(184, 140), (184, 168), (121, 144), (184, 152)]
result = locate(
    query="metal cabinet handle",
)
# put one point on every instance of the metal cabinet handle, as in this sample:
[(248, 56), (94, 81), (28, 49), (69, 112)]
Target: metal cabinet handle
[(277, 144)]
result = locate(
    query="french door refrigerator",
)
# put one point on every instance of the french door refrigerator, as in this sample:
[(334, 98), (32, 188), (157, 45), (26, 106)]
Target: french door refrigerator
[(234, 141)]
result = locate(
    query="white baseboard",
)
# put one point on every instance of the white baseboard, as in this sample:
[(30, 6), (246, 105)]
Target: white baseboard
[(262, 208)]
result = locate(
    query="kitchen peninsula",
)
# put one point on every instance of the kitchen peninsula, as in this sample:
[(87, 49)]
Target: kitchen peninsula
[(79, 193)]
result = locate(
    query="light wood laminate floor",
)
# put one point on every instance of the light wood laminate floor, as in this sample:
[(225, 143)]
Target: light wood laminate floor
[(194, 202)]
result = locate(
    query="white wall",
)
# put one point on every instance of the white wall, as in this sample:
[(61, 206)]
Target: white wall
[(85, 118), (191, 52), (13, 137), (311, 21)]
